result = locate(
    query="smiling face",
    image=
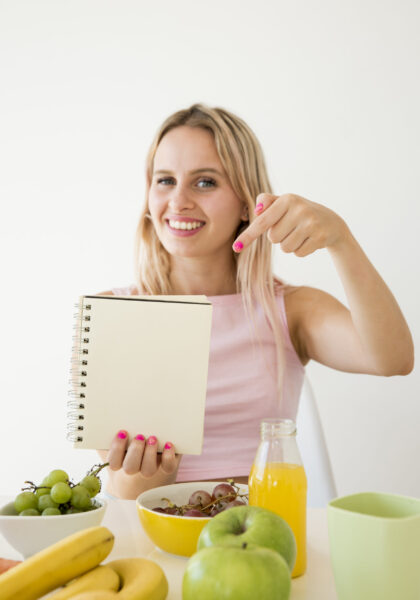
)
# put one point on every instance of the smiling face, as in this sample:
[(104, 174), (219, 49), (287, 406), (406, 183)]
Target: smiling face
[(193, 206)]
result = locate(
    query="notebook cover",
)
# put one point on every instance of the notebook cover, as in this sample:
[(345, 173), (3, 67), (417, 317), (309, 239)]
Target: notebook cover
[(147, 369)]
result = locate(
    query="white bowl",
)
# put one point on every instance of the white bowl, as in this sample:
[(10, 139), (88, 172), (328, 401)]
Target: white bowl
[(29, 535)]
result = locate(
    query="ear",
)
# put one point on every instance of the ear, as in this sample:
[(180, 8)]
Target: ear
[(244, 213)]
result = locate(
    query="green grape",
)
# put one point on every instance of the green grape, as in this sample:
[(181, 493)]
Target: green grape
[(29, 512), (46, 502), (25, 500), (80, 497), (9, 510), (58, 495), (56, 476), (61, 492), (92, 484), (72, 511), (43, 490), (50, 511)]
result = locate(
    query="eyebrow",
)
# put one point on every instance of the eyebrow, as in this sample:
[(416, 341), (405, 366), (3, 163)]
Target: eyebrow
[(203, 170)]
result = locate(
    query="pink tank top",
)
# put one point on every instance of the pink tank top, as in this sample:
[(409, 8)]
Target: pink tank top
[(241, 388)]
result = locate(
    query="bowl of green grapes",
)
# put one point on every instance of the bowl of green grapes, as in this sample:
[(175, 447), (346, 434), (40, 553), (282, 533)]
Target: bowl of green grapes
[(44, 513)]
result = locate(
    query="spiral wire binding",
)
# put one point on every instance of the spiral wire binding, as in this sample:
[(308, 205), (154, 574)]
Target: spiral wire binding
[(78, 372)]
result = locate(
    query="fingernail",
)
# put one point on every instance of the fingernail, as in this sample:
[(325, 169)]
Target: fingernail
[(122, 435), (237, 246), (259, 207), (140, 437), (168, 446), (152, 440)]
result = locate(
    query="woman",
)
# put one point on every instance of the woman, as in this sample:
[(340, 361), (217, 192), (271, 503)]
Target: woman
[(208, 227)]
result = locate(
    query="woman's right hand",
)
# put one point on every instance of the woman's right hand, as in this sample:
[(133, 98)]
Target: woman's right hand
[(136, 466)]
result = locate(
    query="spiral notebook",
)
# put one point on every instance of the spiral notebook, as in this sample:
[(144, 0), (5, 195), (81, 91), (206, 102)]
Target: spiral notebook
[(140, 363)]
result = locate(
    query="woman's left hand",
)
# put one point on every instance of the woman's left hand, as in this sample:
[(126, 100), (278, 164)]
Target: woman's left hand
[(297, 224)]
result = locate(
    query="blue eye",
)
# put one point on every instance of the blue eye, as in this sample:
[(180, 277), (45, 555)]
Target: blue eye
[(164, 179), (211, 182), (207, 182)]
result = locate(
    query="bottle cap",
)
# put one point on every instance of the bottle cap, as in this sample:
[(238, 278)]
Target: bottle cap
[(278, 427)]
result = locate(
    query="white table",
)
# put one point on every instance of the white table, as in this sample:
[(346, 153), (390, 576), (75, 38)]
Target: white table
[(130, 540)]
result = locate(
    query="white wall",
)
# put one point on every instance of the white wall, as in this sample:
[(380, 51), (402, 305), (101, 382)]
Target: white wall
[(331, 90)]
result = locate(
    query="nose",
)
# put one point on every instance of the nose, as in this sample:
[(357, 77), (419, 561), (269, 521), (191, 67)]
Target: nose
[(180, 199)]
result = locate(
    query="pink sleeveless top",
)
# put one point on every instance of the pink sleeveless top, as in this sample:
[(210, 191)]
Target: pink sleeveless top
[(241, 388)]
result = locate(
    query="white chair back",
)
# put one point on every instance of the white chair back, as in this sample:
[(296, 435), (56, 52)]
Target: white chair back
[(313, 450)]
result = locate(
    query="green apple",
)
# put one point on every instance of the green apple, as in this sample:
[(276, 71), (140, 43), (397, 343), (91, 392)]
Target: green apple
[(254, 525), (236, 573)]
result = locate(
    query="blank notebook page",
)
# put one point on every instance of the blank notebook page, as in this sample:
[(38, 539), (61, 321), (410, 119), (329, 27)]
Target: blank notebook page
[(141, 365)]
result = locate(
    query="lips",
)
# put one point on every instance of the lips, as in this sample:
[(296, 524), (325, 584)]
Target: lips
[(183, 227)]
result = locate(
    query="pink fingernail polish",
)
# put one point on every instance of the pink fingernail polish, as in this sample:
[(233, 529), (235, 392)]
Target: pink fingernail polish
[(152, 440), (237, 246), (168, 446), (140, 437), (122, 435), (259, 207)]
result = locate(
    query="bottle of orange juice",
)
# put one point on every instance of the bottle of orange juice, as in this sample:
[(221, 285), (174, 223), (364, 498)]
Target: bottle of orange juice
[(278, 482)]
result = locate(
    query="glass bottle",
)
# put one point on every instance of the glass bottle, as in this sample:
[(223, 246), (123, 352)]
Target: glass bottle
[(278, 481)]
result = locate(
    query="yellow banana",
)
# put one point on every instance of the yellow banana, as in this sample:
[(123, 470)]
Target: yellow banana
[(140, 579), (57, 564), (95, 595), (100, 578)]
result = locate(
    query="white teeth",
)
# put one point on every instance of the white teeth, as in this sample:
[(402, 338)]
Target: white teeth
[(185, 225)]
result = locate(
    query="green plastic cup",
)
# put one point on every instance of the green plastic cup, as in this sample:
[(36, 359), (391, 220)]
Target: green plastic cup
[(375, 546)]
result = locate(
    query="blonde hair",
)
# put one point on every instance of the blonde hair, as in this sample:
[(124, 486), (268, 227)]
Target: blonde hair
[(242, 158)]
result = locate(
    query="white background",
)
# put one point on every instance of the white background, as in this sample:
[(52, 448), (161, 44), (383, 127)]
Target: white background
[(331, 90)]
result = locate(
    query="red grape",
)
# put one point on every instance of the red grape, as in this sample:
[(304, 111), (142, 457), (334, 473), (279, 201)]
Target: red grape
[(222, 505), (215, 511), (223, 489), (200, 497), (171, 510), (203, 504), (193, 512)]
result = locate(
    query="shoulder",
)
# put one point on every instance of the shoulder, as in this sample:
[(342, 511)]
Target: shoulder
[(304, 304), (109, 293), (297, 298), (294, 294)]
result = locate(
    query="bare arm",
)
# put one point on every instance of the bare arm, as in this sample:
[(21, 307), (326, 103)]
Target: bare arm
[(325, 332), (377, 319), (371, 337)]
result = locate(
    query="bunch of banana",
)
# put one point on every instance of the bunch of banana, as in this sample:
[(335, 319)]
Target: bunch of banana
[(75, 563), (57, 564), (136, 579), (100, 578)]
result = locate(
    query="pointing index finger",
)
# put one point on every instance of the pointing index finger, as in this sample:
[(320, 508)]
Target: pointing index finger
[(264, 220)]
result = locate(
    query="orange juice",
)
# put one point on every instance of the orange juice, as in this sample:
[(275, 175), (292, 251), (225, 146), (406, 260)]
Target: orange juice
[(281, 487)]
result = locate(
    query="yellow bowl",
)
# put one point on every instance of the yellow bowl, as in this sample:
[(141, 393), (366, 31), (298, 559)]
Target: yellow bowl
[(172, 533)]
